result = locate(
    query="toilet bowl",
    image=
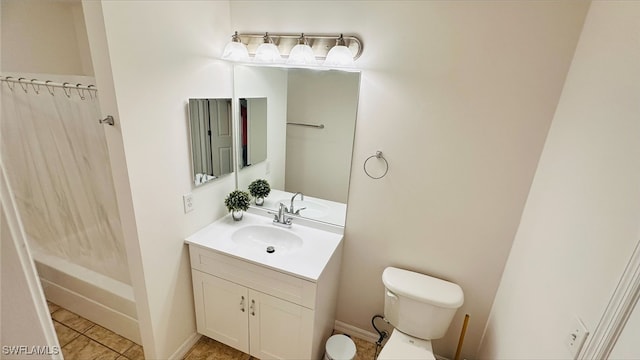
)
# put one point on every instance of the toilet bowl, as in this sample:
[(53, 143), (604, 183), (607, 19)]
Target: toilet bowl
[(401, 346)]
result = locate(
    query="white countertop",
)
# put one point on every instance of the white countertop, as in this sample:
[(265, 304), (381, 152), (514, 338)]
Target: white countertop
[(307, 262)]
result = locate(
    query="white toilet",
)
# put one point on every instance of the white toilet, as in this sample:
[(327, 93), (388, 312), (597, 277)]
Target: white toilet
[(420, 307)]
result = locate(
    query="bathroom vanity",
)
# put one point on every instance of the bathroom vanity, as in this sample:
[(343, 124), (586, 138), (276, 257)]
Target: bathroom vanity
[(270, 304)]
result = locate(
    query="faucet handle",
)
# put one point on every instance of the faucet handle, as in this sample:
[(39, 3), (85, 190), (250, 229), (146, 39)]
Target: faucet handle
[(275, 215), (283, 207), (298, 211)]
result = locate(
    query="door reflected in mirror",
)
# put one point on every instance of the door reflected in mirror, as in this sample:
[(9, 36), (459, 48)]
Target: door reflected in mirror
[(253, 131), (311, 119), (211, 129)]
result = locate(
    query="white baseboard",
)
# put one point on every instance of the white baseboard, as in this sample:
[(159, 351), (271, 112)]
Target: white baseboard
[(98, 313), (351, 330), (186, 346)]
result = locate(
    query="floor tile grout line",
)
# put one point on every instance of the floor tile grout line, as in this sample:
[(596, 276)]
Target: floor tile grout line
[(97, 342), (74, 330), (101, 344), (107, 346), (129, 348), (110, 348)]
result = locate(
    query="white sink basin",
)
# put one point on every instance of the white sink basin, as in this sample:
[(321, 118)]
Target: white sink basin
[(302, 251), (312, 209), (268, 238)]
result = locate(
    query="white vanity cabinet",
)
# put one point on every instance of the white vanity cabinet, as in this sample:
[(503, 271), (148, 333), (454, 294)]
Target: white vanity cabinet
[(261, 311)]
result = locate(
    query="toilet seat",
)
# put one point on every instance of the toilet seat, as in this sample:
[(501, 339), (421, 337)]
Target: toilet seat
[(401, 346)]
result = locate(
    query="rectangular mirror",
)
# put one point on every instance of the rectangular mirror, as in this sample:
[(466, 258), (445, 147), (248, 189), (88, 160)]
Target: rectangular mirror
[(253, 131), (310, 129), (210, 126)]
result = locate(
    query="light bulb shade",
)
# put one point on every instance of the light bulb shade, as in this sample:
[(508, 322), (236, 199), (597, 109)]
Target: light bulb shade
[(267, 53), (339, 56), (235, 51), (301, 54)]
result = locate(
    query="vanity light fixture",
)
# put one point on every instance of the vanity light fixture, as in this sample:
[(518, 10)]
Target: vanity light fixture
[(302, 54), (339, 55), (267, 52), (235, 50), (296, 50)]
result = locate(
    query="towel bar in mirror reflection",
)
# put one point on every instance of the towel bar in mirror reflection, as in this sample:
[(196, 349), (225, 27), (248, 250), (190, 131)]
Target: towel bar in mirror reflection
[(319, 126)]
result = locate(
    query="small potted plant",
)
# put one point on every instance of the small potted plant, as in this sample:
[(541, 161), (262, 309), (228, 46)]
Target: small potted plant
[(237, 202), (259, 189)]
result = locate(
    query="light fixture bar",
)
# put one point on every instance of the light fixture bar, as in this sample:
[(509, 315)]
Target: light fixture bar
[(320, 44)]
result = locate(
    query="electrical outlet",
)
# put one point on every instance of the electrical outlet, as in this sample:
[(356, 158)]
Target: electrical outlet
[(576, 337), (187, 199)]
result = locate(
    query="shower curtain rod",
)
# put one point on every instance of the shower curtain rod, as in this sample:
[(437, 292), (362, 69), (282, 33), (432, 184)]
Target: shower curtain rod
[(66, 85)]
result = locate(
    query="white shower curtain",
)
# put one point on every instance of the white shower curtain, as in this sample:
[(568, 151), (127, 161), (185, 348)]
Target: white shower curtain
[(56, 157)]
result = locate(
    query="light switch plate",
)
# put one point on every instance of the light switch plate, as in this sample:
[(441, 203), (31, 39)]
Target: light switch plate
[(576, 338)]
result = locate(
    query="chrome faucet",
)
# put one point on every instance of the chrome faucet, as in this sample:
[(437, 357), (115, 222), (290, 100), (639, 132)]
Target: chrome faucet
[(291, 208), (281, 218)]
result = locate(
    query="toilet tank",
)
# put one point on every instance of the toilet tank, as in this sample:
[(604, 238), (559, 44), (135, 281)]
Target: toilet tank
[(419, 305)]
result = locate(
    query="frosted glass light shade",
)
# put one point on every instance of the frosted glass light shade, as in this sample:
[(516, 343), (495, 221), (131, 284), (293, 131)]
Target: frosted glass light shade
[(339, 56), (235, 51), (267, 53), (302, 54)]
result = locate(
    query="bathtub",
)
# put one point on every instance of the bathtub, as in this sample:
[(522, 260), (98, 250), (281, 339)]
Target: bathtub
[(98, 298)]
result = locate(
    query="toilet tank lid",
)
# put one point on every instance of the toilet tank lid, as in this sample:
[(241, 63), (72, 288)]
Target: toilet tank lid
[(423, 288)]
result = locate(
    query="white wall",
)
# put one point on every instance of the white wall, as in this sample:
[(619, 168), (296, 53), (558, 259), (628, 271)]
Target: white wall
[(44, 37), (150, 58), (461, 114), (580, 223)]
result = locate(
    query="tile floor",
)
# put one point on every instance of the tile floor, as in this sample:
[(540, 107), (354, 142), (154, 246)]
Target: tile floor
[(81, 339), (208, 349)]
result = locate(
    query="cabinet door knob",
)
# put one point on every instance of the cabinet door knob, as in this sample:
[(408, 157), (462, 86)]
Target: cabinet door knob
[(242, 303), (253, 308)]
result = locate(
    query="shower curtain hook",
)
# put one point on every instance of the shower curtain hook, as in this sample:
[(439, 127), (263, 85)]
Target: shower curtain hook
[(36, 89), (80, 93), (64, 88), (23, 86), (50, 89), (9, 82), (89, 91)]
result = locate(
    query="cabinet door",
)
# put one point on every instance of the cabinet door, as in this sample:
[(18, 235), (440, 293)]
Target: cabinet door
[(221, 310), (279, 329)]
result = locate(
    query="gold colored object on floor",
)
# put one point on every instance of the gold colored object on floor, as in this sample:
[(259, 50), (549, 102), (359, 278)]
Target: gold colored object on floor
[(462, 333)]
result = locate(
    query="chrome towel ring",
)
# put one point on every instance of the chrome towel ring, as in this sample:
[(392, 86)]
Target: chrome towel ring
[(378, 155)]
